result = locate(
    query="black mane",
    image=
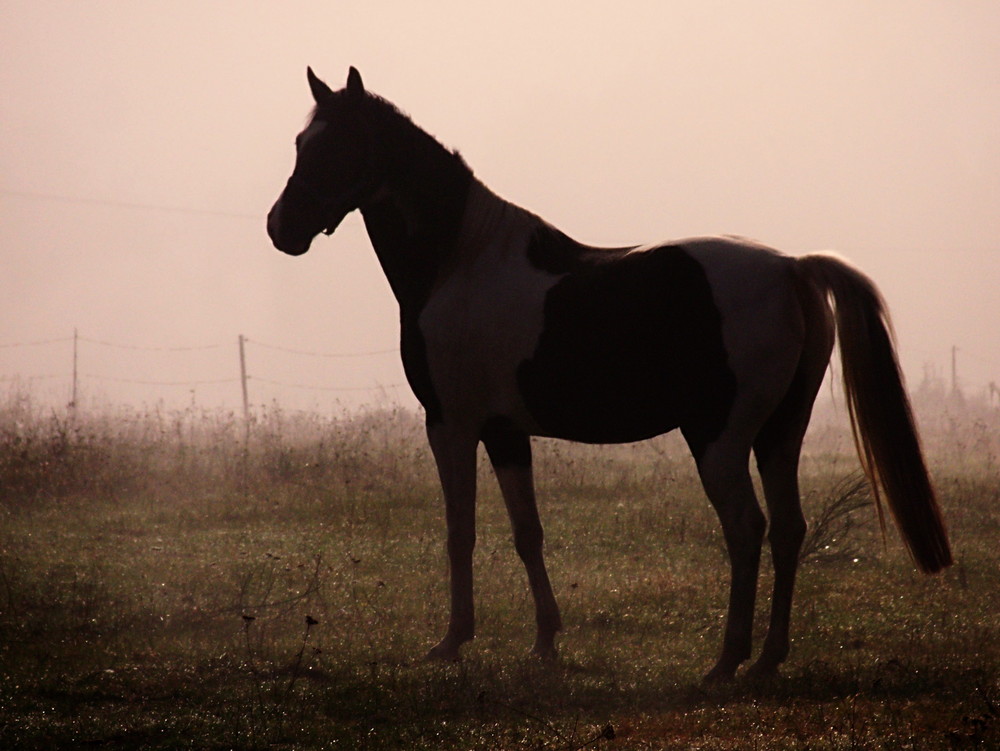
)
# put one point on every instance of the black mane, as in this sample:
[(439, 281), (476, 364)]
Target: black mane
[(395, 125)]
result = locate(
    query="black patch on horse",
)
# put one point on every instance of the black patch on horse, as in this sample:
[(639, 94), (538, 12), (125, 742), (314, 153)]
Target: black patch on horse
[(506, 444), (630, 349)]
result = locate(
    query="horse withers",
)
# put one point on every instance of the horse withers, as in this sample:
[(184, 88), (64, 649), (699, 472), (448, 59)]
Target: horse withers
[(510, 329)]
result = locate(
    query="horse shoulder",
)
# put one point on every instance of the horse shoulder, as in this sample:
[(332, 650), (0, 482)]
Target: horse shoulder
[(483, 318)]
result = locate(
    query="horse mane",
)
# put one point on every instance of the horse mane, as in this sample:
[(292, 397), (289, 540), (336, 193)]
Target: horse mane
[(400, 127)]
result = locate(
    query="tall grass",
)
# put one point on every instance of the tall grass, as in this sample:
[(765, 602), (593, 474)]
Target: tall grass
[(180, 579)]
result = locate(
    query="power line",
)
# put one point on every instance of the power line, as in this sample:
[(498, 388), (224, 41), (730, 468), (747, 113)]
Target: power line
[(45, 376), (159, 383), (257, 217), (116, 345), (37, 343), (31, 195), (139, 206), (322, 354)]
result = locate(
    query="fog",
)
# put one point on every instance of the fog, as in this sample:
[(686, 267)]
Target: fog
[(141, 145)]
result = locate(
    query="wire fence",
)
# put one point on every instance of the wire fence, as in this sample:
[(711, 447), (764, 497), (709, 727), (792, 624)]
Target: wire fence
[(252, 356), (310, 353)]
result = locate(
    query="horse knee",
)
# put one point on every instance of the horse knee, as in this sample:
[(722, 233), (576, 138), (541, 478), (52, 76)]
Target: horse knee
[(756, 527), (745, 529), (796, 530)]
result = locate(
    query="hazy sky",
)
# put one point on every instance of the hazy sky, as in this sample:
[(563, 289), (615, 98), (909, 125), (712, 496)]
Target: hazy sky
[(141, 145)]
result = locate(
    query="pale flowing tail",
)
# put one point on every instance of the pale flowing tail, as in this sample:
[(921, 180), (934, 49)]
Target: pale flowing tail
[(881, 417)]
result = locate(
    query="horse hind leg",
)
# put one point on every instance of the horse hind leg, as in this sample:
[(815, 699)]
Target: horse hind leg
[(777, 462), (777, 448), (725, 475)]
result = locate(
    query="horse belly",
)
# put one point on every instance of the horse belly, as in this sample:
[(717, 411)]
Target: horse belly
[(630, 350)]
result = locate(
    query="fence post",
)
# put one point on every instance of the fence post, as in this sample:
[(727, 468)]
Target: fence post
[(243, 379), (72, 401)]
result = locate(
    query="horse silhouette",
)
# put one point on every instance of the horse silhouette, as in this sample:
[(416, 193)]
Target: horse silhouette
[(510, 329)]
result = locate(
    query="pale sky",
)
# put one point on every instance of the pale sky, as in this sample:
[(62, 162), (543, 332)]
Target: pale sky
[(141, 145)]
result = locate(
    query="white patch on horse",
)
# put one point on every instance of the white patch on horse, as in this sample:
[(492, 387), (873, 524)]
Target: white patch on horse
[(486, 317), (762, 325)]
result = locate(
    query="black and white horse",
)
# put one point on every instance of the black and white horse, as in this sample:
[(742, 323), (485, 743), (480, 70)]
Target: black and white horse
[(511, 329)]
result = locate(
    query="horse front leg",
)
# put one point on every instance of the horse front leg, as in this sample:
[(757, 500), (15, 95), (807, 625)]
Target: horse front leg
[(455, 455), (510, 453)]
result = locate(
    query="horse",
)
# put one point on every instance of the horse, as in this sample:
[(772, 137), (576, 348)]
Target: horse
[(511, 329)]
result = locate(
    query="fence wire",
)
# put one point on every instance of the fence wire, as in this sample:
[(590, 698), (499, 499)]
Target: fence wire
[(79, 339)]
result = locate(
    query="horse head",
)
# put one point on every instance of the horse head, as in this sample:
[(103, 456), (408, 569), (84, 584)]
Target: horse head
[(334, 173)]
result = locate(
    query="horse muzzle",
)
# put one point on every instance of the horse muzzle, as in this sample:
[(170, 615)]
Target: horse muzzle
[(295, 237), (285, 240)]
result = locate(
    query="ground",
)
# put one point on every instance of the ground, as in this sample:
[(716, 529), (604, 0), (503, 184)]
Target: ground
[(180, 580)]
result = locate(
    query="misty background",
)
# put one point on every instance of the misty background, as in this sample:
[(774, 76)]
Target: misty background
[(141, 145)]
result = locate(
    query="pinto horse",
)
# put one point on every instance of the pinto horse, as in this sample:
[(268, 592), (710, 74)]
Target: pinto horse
[(510, 329)]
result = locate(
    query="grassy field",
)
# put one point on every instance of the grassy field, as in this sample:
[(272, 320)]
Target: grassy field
[(171, 580)]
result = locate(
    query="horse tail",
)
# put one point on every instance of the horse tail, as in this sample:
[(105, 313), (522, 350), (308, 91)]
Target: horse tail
[(881, 417)]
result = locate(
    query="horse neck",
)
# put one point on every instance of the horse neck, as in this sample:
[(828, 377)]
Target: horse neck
[(414, 219), (492, 225)]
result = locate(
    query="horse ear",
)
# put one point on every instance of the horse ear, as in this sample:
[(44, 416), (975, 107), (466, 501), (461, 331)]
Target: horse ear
[(320, 90), (354, 85)]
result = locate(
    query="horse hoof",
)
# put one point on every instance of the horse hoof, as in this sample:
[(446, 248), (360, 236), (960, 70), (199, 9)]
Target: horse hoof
[(719, 675), (443, 653), (762, 672), (545, 653)]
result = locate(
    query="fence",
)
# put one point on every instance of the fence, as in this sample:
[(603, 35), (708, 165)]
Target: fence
[(241, 355), (244, 352)]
